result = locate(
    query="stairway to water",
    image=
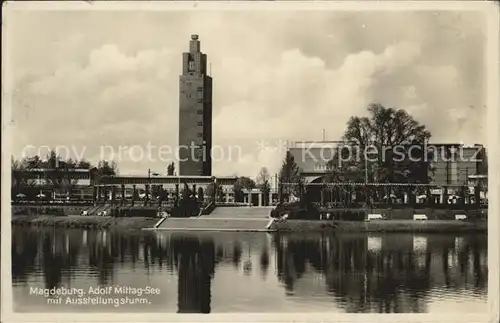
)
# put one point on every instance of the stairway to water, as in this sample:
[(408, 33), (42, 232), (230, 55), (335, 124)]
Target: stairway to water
[(91, 210), (94, 210), (251, 212), (223, 219)]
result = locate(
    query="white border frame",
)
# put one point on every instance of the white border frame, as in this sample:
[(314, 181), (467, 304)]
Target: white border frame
[(490, 11)]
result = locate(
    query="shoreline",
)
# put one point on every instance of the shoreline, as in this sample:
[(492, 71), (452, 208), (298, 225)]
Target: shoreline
[(148, 223), (84, 222)]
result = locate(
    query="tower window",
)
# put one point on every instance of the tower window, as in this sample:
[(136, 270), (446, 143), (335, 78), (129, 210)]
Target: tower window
[(200, 111), (200, 100), (188, 95), (200, 123), (199, 134), (200, 88)]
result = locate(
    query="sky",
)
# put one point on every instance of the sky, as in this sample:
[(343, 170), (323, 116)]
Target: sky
[(99, 83)]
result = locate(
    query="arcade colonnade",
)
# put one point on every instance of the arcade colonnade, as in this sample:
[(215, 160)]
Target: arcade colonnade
[(388, 193), (124, 194), (125, 190)]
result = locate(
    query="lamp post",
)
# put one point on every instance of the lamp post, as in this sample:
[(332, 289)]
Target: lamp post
[(275, 186), (366, 169), (148, 184)]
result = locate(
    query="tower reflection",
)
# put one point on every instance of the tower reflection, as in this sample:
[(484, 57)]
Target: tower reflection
[(195, 259)]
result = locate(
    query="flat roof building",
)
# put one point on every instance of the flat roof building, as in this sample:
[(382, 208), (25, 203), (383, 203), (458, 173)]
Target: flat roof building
[(452, 163)]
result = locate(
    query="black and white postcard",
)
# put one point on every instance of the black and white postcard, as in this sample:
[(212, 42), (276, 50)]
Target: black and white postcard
[(250, 161)]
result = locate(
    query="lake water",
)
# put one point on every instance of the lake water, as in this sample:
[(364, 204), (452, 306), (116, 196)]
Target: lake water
[(221, 272)]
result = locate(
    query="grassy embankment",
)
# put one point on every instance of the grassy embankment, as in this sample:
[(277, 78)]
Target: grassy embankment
[(439, 226), (97, 222)]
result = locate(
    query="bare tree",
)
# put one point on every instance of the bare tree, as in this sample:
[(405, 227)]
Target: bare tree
[(263, 183)]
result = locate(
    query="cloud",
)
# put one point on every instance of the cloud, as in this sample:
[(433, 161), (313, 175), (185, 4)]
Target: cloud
[(285, 76)]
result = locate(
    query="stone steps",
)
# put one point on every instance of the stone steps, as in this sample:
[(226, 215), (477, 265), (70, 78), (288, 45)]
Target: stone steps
[(241, 212), (214, 224)]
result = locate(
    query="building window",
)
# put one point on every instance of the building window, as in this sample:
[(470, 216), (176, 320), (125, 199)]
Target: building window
[(188, 95), (199, 134), (200, 111), (200, 100), (200, 88), (200, 123)]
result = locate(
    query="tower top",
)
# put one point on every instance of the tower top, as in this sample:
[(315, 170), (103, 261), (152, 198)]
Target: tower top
[(194, 44), (194, 61)]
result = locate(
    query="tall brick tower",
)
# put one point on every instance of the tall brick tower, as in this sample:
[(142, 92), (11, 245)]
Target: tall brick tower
[(195, 113)]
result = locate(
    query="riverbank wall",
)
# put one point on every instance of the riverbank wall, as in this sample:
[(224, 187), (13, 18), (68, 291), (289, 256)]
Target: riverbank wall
[(406, 213), (85, 222), (32, 210), (432, 213), (138, 223), (228, 224)]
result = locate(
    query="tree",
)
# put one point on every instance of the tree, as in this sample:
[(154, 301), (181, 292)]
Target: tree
[(83, 164), (264, 185), (171, 169), (216, 189), (289, 173), (17, 180), (210, 190), (483, 169), (104, 168), (32, 162), (483, 162), (135, 194), (186, 192), (242, 182), (246, 182), (378, 149), (156, 191), (201, 197), (52, 160), (57, 174), (220, 192)]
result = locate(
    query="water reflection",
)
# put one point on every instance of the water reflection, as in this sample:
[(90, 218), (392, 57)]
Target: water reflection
[(359, 273), (392, 273), (195, 261)]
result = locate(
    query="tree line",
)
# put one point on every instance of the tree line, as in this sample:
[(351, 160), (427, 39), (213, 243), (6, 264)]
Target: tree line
[(58, 171), (262, 182)]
